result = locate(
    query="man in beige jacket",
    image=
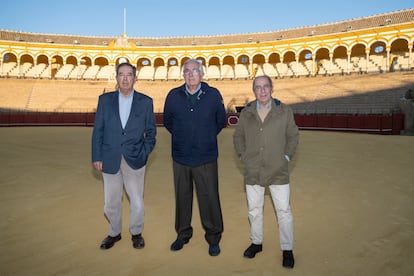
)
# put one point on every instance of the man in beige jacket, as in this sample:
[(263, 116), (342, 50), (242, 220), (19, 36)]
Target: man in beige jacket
[(265, 139)]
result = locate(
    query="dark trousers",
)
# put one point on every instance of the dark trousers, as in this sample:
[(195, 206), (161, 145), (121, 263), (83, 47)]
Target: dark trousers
[(205, 179)]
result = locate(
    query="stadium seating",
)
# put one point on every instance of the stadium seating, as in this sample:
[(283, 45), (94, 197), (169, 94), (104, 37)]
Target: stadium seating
[(146, 73), (213, 72), (227, 72), (160, 73), (174, 73), (91, 72), (77, 72), (64, 71), (241, 71), (348, 94), (107, 72), (270, 70)]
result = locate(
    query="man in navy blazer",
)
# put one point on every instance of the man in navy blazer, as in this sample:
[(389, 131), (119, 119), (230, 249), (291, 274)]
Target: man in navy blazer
[(122, 139)]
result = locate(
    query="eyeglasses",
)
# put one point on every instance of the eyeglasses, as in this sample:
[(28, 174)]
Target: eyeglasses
[(194, 72), (128, 75), (258, 88)]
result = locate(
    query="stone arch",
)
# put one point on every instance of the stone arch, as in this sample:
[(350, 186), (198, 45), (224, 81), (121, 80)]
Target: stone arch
[(242, 67), (174, 68), (358, 59), (274, 58), (305, 63), (399, 55), (322, 61), (71, 59), (258, 61), (145, 69), (10, 56), (213, 68), (160, 69), (227, 67)]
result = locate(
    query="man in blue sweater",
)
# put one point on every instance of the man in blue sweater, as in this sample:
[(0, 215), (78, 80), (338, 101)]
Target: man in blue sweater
[(194, 114)]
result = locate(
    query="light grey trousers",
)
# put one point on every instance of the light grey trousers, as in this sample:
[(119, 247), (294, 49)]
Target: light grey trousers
[(281, 200), (133, 181)]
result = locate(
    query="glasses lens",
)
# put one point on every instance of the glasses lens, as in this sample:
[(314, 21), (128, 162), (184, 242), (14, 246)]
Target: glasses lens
[(194, 72), (260, 88)]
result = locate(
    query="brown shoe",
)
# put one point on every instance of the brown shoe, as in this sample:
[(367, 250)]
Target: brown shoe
[(109, 241), (138, 241)]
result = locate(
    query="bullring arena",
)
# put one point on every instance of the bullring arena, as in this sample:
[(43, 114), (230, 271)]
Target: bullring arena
[(352, 190)]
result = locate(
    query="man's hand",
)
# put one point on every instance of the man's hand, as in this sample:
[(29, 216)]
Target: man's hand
[(97, 165)]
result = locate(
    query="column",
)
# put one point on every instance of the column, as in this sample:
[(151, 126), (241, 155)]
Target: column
[(313, 65), (296, 66), (19, 74), (348, 61), (330, 63), (387, 65)]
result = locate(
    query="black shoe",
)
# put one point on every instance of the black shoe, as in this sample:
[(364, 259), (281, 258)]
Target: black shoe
[(109, 241), (288, 259), (138, 241), (214, 250), (252, 250), (178, 244)]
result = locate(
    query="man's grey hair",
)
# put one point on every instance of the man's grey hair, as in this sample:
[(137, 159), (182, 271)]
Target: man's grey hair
[(193, 60)]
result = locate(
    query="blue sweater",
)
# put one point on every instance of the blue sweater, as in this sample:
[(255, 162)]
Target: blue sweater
[(194, 127)]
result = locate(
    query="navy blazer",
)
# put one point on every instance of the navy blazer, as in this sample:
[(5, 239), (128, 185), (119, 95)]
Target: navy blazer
[(135, 142)]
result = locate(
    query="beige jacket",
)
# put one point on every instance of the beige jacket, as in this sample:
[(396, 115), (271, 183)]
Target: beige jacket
[(263, 147)]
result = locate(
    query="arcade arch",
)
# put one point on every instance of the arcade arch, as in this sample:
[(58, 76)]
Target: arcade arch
[(377, 53)]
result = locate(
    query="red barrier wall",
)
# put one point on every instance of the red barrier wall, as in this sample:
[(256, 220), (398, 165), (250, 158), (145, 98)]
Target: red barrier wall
[(370, 123)]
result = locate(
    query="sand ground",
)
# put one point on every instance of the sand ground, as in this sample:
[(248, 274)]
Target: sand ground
[(352, 201)]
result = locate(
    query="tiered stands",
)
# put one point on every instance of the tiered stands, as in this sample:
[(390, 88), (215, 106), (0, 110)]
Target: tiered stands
[(213, 72), (25, 68), (379, 93), (146, 73), (160, 73), (399, 61), (45, 73), (64, 71), (241, 71), (227, 72), (91, 72), (174, 73), (8, 67), (77, 72), (50, 95), (107, 72), (15, 94), (12, 70), (354, 102)]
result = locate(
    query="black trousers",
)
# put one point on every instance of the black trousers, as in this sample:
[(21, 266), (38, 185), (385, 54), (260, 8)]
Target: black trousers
[(205, 180)]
